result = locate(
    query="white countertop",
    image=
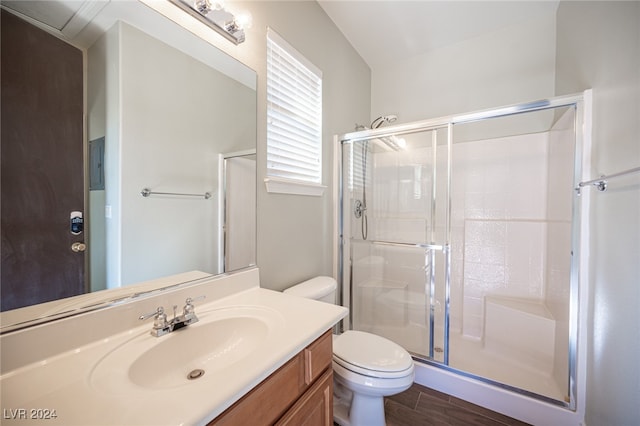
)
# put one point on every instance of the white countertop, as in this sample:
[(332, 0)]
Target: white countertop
[(65, 383)]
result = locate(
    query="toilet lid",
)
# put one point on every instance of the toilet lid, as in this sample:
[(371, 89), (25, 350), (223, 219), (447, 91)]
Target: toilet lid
[(371, 355)]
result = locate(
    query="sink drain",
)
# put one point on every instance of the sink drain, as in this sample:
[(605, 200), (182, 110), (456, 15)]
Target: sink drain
[(195, 374)]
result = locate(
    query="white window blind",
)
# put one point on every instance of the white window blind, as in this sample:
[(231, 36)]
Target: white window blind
[(294, 114)]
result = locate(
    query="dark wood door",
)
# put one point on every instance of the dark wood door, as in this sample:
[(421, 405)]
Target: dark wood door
[(42, 165)]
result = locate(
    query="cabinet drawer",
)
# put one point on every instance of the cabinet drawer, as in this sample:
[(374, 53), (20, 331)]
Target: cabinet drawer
[(318, 357)]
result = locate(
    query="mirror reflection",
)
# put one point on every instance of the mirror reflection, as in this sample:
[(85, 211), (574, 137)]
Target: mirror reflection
[(164, 111)]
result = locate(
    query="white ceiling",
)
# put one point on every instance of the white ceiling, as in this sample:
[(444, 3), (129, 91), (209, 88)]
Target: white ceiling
[(54, 14), (383, 31)]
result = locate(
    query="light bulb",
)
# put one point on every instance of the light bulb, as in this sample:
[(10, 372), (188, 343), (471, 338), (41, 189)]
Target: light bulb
[(243, 20), (206, 6), (202, 6)]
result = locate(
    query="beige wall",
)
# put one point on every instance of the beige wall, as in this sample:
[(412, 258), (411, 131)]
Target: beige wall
[(598, 46)]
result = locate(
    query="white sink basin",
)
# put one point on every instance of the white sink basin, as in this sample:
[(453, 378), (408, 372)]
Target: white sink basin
[(222, 338)]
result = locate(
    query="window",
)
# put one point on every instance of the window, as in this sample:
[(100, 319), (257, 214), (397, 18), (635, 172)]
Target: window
[(294, 120)]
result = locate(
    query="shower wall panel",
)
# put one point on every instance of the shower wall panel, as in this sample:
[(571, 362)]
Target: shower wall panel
[(498, 213), (501, 258)]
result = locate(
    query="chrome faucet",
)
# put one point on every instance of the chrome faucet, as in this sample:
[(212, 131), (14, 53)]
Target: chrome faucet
[(162, 326)]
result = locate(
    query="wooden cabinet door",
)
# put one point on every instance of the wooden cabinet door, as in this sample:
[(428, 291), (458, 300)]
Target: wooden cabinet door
[(268, 401), (315, 407), (298, 393)]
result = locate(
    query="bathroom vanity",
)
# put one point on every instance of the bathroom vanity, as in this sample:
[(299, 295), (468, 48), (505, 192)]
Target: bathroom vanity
[(254, 356)]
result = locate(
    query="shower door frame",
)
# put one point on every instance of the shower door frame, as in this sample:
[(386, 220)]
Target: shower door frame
[(223, 213), (582, 108)]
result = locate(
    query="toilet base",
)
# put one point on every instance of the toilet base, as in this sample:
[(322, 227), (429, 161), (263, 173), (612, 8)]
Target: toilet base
[(341, 412), (341, 403), (350, 409)]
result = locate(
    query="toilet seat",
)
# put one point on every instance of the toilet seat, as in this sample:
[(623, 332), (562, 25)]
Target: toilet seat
[(371, 355)]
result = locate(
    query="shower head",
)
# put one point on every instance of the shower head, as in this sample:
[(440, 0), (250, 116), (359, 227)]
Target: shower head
[(383, 119)]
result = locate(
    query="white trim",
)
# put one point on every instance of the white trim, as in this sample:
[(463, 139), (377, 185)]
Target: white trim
[(585, 248), (286, 186), (83, 17), (220, 198), (337, 151)]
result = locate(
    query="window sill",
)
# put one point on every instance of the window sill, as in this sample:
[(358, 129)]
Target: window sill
[(284, 186)]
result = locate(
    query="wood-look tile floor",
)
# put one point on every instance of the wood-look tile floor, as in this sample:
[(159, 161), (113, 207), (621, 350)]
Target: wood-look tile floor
[(421, 406)]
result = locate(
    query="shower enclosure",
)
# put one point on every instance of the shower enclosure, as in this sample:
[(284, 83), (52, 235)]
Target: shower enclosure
[(459, 241)]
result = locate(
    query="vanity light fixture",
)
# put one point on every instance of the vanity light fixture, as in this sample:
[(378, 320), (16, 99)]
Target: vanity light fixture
[(214, 14)]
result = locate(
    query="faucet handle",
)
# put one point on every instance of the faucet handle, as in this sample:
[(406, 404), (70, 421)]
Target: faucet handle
[(160, 320), (190, 300), (188, 312), (158, 311), (188, 304)]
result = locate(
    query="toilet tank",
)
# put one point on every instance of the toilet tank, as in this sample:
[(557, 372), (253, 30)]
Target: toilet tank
[(322, 289)]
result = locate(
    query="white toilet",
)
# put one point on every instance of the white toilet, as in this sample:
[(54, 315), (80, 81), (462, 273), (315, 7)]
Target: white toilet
[(366, 367)]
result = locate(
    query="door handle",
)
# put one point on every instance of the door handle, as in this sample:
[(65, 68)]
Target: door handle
[(78, 247)]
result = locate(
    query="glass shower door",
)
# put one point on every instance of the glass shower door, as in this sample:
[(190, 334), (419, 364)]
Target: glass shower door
[(395, 237)]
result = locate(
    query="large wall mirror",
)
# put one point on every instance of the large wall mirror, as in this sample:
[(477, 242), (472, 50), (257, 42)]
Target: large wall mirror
[(165, 160)]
